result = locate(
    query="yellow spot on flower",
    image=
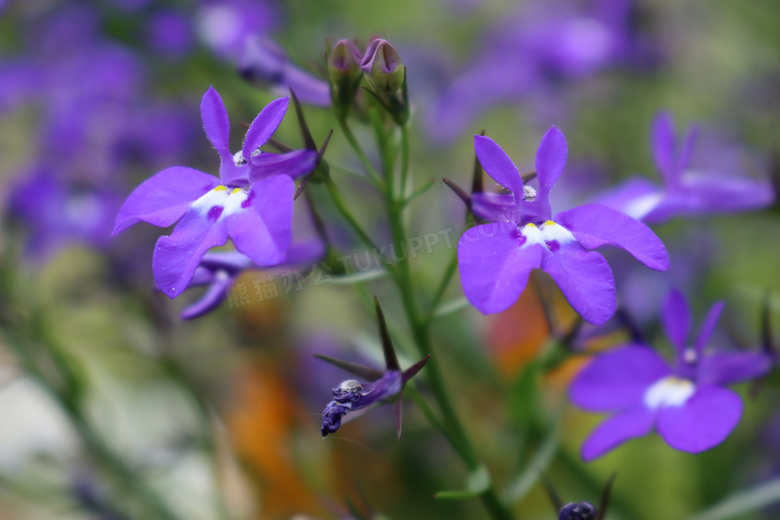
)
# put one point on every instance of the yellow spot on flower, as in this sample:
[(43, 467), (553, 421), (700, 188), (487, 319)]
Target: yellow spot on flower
[(220, 188), (235, 190), (531, 225), (549, 223)]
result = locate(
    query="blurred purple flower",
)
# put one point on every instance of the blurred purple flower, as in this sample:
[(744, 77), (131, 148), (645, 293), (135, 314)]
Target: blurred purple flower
[(265, 64), (225, 25), (685, 191), (170, 33), (686, 401), (496, 259), (532, 50), (57, 213), (251, 202)]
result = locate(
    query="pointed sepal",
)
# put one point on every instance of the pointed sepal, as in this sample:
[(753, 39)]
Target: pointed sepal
[(391, 361), (369, 374)]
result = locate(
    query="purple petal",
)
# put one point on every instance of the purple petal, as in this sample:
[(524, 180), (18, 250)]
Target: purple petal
[(703, 422), (162, 200), (676, 319), (306, 252), (708, 325), (264, 126), (494, 263), (293, 164), (636, 197), (617, 379), (211, 299), (594, 226), (724, 368), (585, 280), (262, 228), (216, 122), (177, 256), (495, 207), (498, 165), (710, 192), (550, 160), (686, 151), (662, 143), (625, 425)]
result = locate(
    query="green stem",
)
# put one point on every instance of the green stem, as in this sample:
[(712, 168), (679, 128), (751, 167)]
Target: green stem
[(359, 151), (341, 205), (404, 159), (421, 332), (449, 271)]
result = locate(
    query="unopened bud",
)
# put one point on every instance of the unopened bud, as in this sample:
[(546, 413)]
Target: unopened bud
[(383, 66), (345, 74)]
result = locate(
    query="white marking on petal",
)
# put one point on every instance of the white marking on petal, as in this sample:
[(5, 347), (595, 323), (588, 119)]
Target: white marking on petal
[(215, 197), (669, 392), (552, 231), (233, 203), (532, 234), (641, 206)]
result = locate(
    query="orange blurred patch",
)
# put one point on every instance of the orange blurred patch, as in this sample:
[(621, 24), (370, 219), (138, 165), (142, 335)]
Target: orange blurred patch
[(262, 424), (518, 333)]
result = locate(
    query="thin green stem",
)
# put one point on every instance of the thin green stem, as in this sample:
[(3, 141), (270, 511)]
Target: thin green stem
[(449, 271), (359, 151), (341, 205), (404, 159), (421, 332)]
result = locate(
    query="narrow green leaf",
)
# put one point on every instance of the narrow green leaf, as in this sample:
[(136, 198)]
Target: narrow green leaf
[(743, 502)]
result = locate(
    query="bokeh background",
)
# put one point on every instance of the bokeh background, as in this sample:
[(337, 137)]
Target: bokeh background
[(221, 414)]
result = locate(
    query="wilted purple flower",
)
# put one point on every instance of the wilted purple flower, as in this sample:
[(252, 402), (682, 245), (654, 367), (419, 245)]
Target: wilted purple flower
[(686, 401), (219, 271), (267, 65), (352, 396), (685, 191), (495, 259), (251, 202), (578, 511)]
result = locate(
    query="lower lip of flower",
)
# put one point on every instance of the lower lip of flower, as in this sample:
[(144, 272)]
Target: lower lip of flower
[(669, 392)]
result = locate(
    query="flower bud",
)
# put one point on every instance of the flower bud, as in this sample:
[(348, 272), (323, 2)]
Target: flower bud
[(383, 66), (345, 75)]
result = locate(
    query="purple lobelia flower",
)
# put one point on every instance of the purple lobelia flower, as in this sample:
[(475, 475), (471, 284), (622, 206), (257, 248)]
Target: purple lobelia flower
[(685, 191), (251, 202), (686, 401), (351, 396), (495, 259)]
